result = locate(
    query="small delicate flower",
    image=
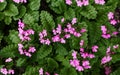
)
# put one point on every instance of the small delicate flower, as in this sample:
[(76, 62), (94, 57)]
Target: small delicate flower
[(81, 43), (32, 49), (115, 33), (79, 68), (47, 73), (62, 40), (8, 60), (81, 49), (83, 30), (62, 20), (106, 36), (68, 2), (110, 15), (11, 72), (91, 56), (86, 64), (94, 48), (4, 71), (74, 20), (85, 2), (41, 71), (74, 62), (1, 0), (74, 54), (106, 59), (79, 3), (27, 54), (115, 46), (107, 70), (113, 22), (104, 29)]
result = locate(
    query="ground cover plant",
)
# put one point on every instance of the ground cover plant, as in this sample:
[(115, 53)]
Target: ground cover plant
[(59, 37)]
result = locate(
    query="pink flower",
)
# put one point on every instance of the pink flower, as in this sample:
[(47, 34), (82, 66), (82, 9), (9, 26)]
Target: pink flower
[(110, 15), (32, 49), (74, 54), (115, 33), (67, 36), (84, 55), (4, 71), (68, 2), (82, 49), (101, 2), (44, 32), (94, 48), (79, 68), (1, 0), (86, 64), (56, 38), (27, 54), (47, 42), (62, 40), (11, 72), (79, 3), (104, 29), (107, 70), (106, 36), (91, 56), (85, 2), (108, 50), (20, 23), (56, 74), (83, 30), (106, 59), (113, 22), (115, 46), (8, 60), (40, 71), (74, 20), (62, 20), (74, 62), (47, 73), (81, 43)]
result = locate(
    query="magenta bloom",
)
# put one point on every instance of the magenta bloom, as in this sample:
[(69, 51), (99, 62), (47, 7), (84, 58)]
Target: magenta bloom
[(68, 2), (8, 60), (74, 62), (79, 68), (106, 59), (40, 71)]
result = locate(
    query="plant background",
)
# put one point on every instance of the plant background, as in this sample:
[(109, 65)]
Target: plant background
[(46, 14)]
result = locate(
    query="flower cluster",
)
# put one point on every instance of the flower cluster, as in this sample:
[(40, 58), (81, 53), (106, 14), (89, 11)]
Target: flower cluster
[(76, 63), (41, 72), (20, 1), (1, 0), (101, 2), (24, 35), (42, 38), (104, 32), (81, 3), (111, 18), (5, 71)]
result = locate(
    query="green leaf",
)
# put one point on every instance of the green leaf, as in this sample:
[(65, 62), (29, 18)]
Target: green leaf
[(89, 12), (44, 51), (52, 64), (1, 16), (34, 5), (116, 72), (61, 50), (47, 20), (11, 10), (3, 5), (115, 58), (22, 11), (69, 14), (31, 70), (28, 19), (68, 71), (7, 20), (9, 51), (13, 36), (20, 62)]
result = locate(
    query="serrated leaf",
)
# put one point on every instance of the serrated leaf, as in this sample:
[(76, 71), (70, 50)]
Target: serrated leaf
[(34, 5), (22, 11), (11, 10), (3, 5), (89, 12), (47, 20), (8, 51), (44, 51), (7, 20), (61, 50), (20, 62), (69, 14), (14, 36), (68, 71), (28, 19), (52, 64)]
